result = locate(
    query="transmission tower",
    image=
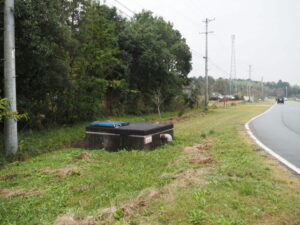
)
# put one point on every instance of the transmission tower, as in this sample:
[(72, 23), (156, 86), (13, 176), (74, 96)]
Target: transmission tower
[(232, 79)]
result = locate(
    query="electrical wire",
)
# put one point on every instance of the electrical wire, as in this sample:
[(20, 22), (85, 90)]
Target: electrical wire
[(125, 7)]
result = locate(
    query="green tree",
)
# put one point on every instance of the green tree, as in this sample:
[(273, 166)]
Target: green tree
[(221, 86), (42, 40), (159, 57)]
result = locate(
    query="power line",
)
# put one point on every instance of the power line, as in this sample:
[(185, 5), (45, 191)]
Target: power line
[(214, 64), (120, 10), (125, 7), (218, 66)]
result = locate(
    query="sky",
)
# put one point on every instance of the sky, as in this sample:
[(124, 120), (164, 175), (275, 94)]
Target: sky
[(267, 34)]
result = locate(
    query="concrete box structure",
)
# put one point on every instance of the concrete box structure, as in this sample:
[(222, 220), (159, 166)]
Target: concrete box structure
[(141, 136)]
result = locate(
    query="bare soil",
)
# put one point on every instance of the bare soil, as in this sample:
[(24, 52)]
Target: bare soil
[(79, 188), (184, 118), (9, 177), (83, 156), (63, 172), (70, 219), (8, 193)]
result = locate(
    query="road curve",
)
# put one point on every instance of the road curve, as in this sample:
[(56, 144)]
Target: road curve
[(279, 130)]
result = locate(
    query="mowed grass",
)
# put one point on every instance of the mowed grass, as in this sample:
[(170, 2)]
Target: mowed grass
[(243, 186)]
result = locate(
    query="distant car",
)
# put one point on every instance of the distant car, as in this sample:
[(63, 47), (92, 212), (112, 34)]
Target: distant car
[(280, 100)]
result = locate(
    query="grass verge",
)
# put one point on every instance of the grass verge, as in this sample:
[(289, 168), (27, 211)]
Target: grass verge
[(33, 143), (242, 185)]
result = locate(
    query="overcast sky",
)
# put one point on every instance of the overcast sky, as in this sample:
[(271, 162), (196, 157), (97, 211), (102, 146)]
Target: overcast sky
[(267, 34)]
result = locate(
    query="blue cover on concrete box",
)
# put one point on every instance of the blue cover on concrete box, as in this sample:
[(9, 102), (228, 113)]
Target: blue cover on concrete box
[(110, 124)]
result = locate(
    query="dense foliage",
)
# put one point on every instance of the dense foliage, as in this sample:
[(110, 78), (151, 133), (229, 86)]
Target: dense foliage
[(77, 59), (5, 111)]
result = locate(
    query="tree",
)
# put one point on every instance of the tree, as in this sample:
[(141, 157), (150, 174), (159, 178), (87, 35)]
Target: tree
[(157, 100), (42, 40), (221, 86), (159, 57)]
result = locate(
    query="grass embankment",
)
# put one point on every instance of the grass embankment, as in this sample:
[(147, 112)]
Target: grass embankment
[(32, 143), (225, 180)]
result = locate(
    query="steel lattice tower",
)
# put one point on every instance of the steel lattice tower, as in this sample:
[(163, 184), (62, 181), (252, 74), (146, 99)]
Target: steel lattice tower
[(232, 80)]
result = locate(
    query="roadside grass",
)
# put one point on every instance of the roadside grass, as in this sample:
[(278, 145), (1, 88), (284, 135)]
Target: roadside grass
[(244, 186), (35, 142)]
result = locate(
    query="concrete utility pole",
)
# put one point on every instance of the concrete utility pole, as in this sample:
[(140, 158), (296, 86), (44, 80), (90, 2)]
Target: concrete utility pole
[(206, 21), (10, 124), (286, 90)]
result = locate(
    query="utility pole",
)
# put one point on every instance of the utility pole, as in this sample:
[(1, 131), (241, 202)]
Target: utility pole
[(232, 79), (286, 91), (206, 21), (249, 83), (10, 124)]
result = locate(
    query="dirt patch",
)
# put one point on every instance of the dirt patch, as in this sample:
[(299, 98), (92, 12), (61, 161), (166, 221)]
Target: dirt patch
[(204, 145), (201, 147), (184, 118), (130, 207), (69, 219), (192, 177), (9, 177), (107, 214), (8, 193), (200, 159), (77, 144), (79, 188), (191, 150), (143, 199), (63, 172), (197, 152), (83, 156)]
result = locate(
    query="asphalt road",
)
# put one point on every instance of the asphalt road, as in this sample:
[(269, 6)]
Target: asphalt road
[(279, 130)]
